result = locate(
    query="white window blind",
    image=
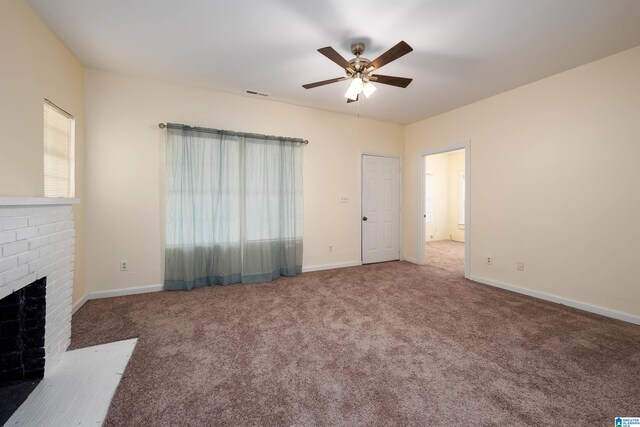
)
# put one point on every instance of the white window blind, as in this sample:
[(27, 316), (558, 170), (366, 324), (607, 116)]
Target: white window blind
[(59, 162)]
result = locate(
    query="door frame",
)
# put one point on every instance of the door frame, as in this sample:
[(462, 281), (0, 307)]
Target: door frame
[(360, 170), (466, 145)]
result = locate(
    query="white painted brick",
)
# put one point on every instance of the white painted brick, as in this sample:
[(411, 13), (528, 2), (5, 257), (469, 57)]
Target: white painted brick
[(27, 257), (38, 242), (23, 281), (64, 225), (11, 211), (47, 229), (46, 250), (42, 257), (65, 216), (60, 246), (56, 265), (36, 265), (44, 271), (62, 235), (68, 284), (61, 275), (29, 211), (26, 233), (16, 273), (42, 219), (13, 223), (68, 263), (53, 315), (56, 276), (8, 263), (7, 237), (14, 248)]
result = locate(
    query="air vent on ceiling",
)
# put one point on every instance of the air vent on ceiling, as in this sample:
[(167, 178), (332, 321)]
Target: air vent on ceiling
[(253, 92)]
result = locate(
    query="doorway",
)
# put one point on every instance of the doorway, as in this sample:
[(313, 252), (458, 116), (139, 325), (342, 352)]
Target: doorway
[(443, 237), (380, 208)]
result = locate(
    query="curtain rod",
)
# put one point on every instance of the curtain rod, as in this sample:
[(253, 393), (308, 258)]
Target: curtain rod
[(230, 132)]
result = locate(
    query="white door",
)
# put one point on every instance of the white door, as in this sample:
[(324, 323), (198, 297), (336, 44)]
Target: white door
[(380, 209)]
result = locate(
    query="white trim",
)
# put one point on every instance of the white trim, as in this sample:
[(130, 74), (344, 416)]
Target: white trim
[(428, 190), (461, 145), (401, 213), (35, 201), (158, 288), (125, 291), (560, 300), (461, 181), (411, 260), (78, 305), (311, 268)]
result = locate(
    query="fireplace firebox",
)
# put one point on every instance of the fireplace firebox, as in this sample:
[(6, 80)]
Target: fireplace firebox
[(22, 328)]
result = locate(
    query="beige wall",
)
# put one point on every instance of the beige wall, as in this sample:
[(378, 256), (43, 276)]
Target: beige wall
[(438, 166), (125, 155), (554, 182), (553, 167), (35, 65), (444, 167), (456, 164)]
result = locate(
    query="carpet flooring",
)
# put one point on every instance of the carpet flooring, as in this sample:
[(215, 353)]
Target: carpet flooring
[(383, 344), (447, 255)]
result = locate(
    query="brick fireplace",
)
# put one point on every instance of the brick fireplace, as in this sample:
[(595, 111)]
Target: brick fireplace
[(37, 240)]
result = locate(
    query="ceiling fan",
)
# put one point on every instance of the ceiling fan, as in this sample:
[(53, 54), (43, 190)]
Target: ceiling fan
[(361, 71)]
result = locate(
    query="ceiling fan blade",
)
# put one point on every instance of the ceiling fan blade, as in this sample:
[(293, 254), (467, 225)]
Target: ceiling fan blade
[(349, 100), (331, 53), (391, 80), (392, 54), (323, 82)]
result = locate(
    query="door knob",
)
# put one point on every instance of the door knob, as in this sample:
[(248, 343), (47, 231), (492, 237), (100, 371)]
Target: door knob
[(364, 218)]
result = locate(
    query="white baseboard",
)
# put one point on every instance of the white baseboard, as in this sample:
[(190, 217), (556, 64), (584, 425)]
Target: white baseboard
[(125, 291), (157, 288), (560, 300), (78, 305), (411, 260), (330, 266)]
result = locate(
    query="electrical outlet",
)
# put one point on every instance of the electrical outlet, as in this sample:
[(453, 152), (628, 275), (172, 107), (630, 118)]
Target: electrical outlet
[(344, 199), (520, 265), (330, 248), (488, 260), (124, 265)]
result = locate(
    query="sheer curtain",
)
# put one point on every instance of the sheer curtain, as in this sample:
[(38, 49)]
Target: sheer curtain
[(234, 208)]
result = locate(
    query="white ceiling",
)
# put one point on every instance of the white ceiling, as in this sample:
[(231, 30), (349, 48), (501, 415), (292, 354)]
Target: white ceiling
[(464, 50)]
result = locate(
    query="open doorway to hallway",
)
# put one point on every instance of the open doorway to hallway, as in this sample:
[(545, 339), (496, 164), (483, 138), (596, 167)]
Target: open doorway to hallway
[(445, 209)]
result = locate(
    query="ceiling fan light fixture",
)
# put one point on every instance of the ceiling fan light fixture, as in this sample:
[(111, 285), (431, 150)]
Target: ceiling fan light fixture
[(359, 70), (355, 88), (368, 89)]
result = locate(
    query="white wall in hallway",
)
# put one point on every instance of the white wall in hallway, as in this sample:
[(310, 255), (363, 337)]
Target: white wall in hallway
[(456, 165), (437, 165)]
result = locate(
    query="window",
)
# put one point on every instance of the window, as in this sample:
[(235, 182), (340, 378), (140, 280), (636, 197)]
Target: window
[(461, 197), (234, 207), (59, 162), (428, 183)]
